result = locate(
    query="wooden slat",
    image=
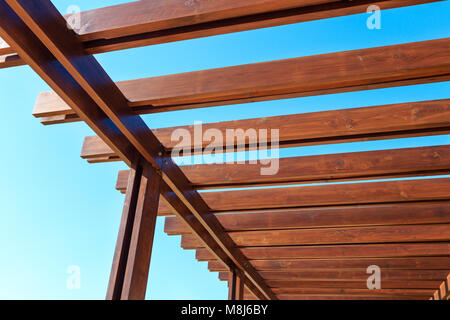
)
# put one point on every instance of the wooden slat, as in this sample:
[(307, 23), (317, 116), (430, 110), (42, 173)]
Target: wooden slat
[(387, 284), (329, 195), (336, 126), (444, 289), (412, 63), (344, 297), (424, 293), (384, 234), (323, 168), (142, 23), (340, 251), (77, 75), (349, 275), (373, 215), (424, 263)]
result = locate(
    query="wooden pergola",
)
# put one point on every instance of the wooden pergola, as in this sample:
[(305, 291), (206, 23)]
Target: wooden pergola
[(282, 242)]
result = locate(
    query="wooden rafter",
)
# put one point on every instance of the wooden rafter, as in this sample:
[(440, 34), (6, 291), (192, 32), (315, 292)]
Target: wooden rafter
[(381, 67), (142, 23)]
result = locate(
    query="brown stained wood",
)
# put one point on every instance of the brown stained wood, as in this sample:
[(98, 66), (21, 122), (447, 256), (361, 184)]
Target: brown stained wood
[(424, 263), (326, 127), (236, 286), (345, 297), (423, 293), (141, 23), (349, 275), (383, 234), (444, 289), (329, 195), (340, 251), (335, 284), (343, 167), (412, 63), (141, 241), (389, 192), (372, 215), (129, 274), (72, 67)]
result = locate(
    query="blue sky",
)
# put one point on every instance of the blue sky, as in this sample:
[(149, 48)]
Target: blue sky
[(56, 210)]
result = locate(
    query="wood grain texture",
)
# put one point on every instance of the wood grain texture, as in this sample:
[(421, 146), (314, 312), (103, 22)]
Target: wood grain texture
[(379, 234), (141, 23), (329, 195), (361, 264), (412, 63), (340, 251), (373, 215), (322, 168), (438, 275)]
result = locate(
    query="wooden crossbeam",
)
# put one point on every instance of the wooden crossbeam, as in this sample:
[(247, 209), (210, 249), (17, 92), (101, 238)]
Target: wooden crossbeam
[(322, 168), (443, 293), (348, 275), (76, 75), (361, 264), (348, 125), (381, 67), (328, 195), (387, 250), (141, 23), (367, 215), (323, 236), (388, 284)]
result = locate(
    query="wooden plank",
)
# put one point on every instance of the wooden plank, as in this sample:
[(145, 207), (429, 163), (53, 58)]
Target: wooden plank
[(424, 293), (348, 275), (405, 64), (322, 168), (329, 195), (348, 125), (387, 284), (142, 23), (129, 273), (389, 192), (371, 215), (344, 297), (74, 72), (340, 251), (424, 263), (383, 234)]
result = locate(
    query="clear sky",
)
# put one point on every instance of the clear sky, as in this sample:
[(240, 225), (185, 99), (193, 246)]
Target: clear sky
[(57, 211)]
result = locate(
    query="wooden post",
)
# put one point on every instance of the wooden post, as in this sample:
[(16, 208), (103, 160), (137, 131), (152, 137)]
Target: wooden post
[(236, 287), (129, 273)]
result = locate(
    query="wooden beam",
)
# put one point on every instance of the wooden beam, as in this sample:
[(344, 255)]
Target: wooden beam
[(334, 284), (129, 273), (74, 74), (348, 125), (348, 275), (141, 23), (405, 64), (389, 192), (344, 297), (340, 251), (368, 215), (378, 234), (322, 168), (424, 263)]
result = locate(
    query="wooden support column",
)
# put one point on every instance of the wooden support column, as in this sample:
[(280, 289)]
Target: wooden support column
[(129, 273), (236, 286)]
